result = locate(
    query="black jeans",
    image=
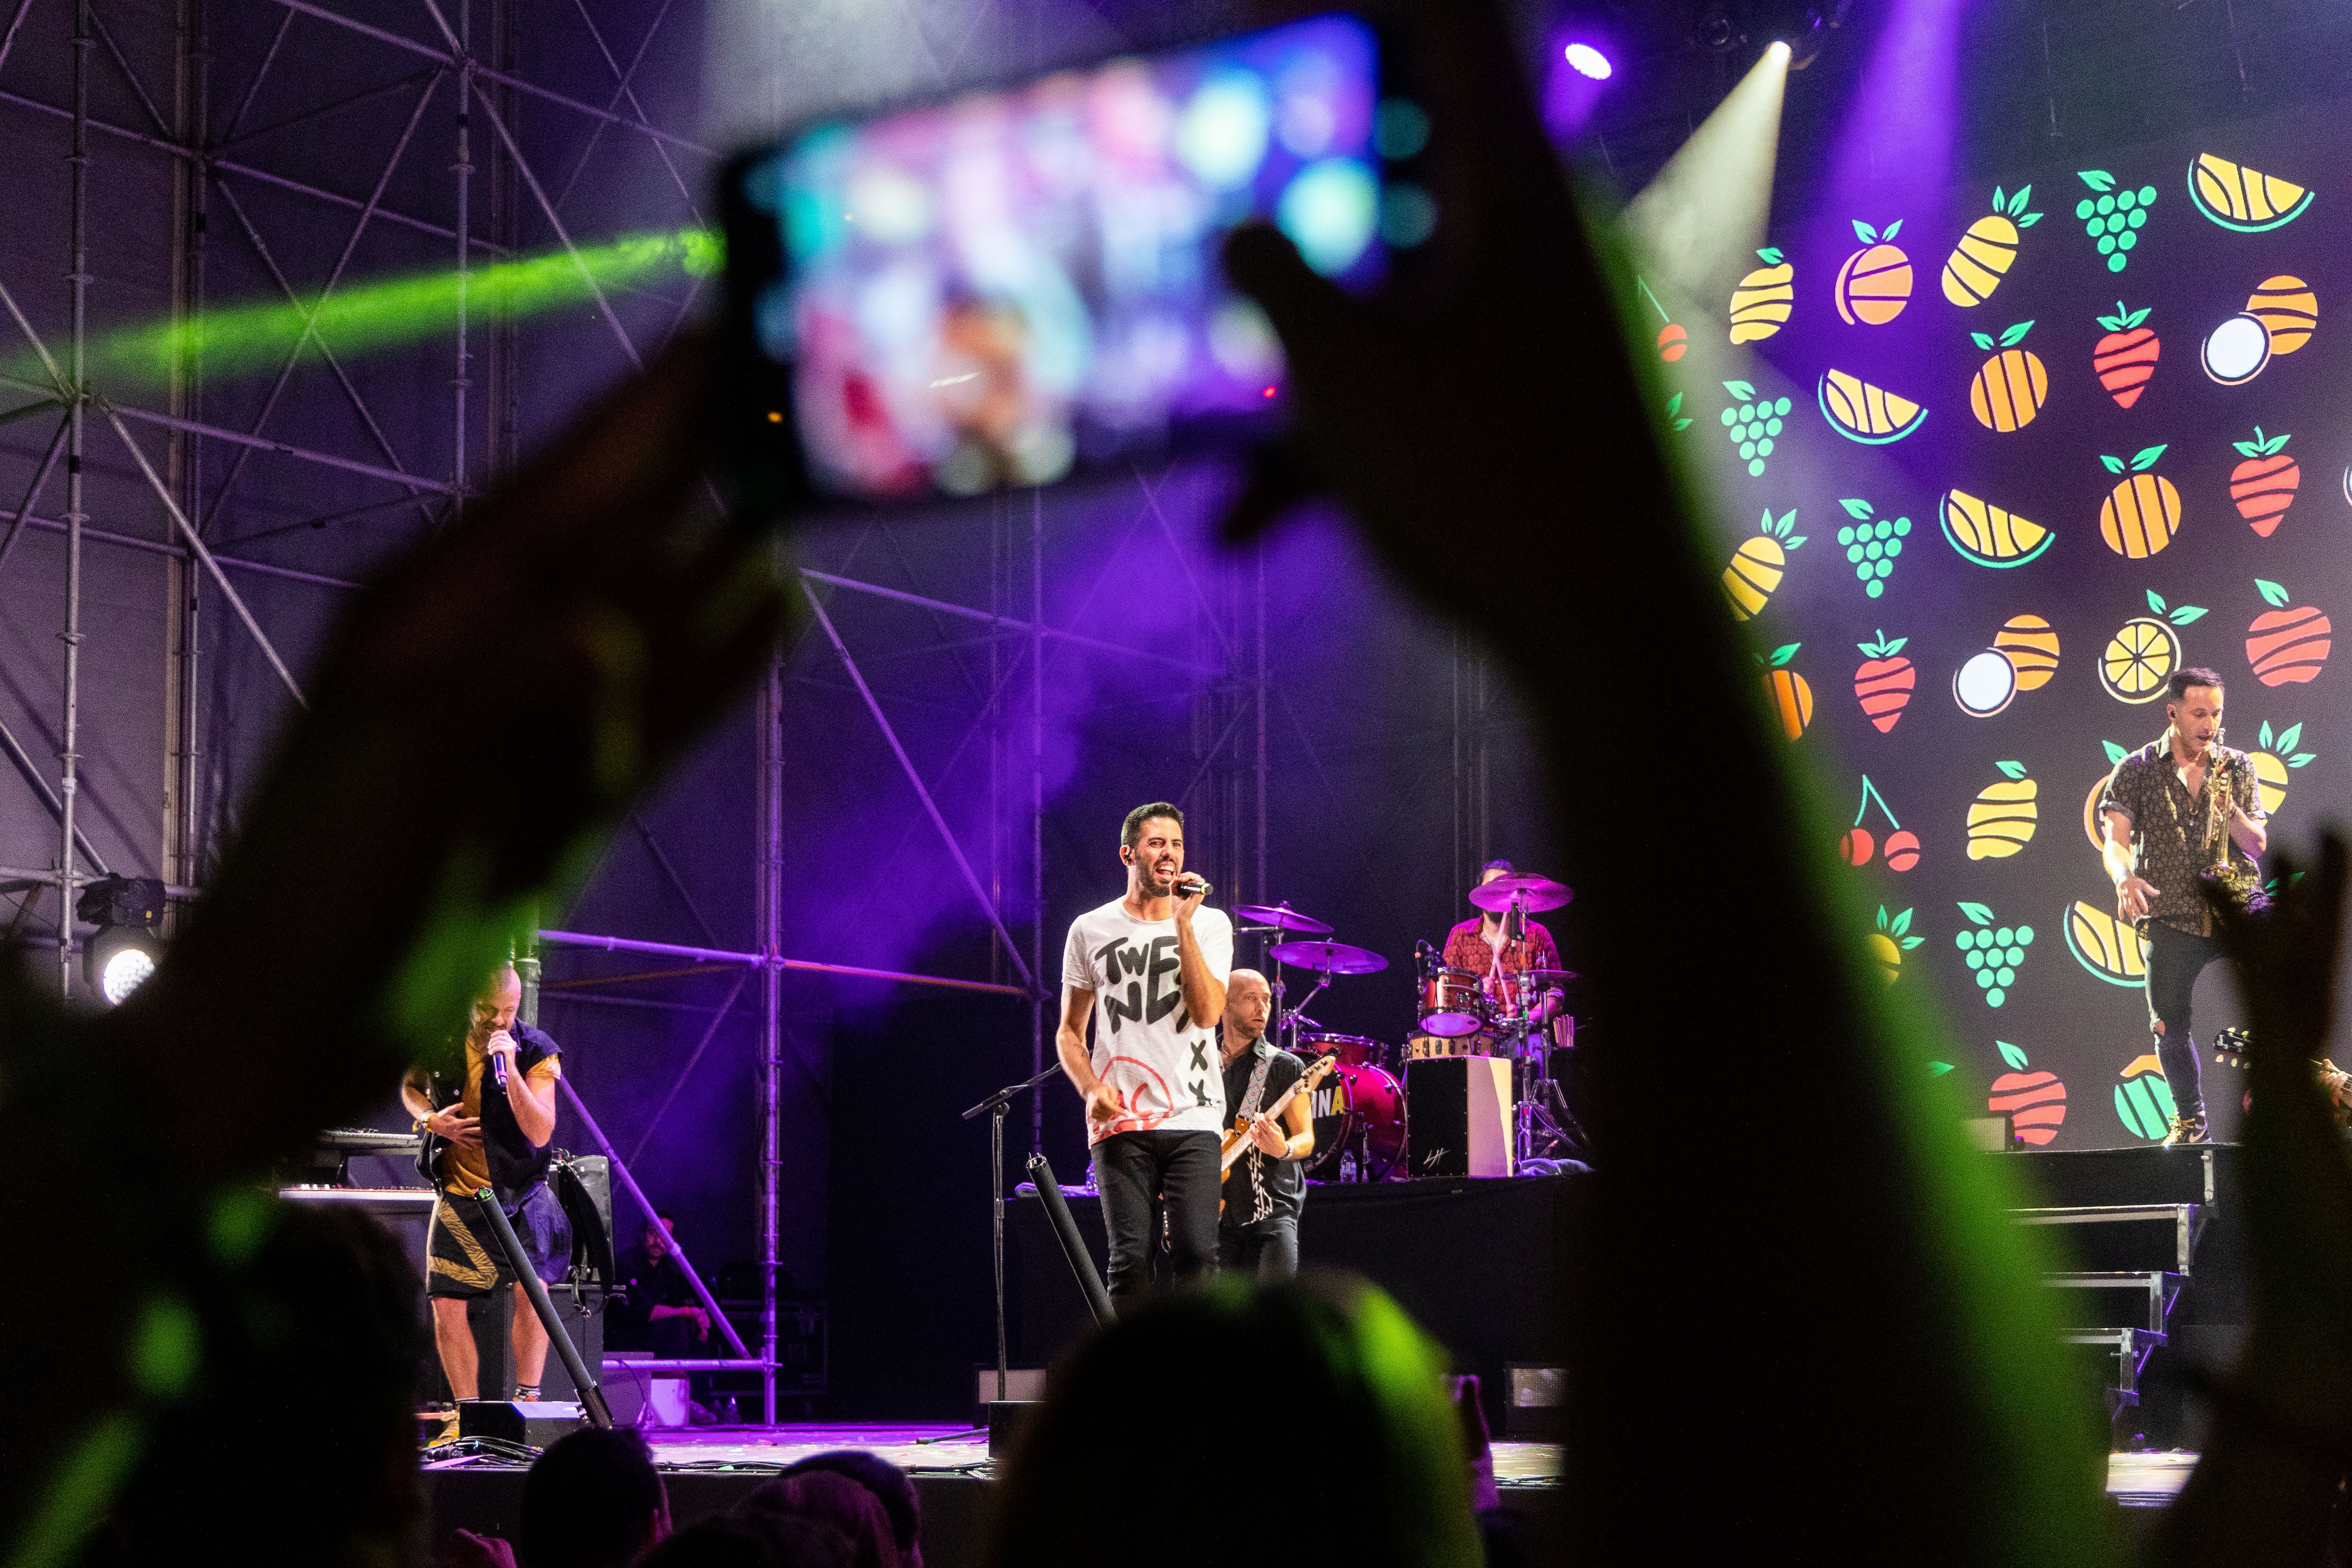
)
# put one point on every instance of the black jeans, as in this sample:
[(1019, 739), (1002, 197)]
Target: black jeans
[(1268, 1249), (2175, 959), (1132, 1169)]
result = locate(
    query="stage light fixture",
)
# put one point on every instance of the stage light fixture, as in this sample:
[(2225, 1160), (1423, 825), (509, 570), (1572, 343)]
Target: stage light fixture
[(127, 945), (1797, 26), (1588, 61)]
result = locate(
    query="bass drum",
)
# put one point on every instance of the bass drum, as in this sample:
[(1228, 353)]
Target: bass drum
[(1359, 1116), (1353, 1050)]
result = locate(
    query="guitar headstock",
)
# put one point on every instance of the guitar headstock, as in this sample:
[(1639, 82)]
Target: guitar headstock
[(2232, 1047), (1318, 1071)]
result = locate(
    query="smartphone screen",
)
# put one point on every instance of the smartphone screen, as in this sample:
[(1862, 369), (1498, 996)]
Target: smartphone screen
[(1000, 288)]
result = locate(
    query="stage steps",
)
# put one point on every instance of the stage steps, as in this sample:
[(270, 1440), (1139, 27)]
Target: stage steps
[(2134, 1261)]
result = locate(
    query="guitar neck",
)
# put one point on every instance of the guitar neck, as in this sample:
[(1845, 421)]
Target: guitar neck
[(1236, 1140)]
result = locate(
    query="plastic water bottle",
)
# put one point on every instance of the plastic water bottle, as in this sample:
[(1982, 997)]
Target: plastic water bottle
[(1348, 1165)]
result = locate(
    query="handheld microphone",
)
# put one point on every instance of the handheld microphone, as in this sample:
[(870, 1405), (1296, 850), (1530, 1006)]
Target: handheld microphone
[(1189, 887), (498, 1067)]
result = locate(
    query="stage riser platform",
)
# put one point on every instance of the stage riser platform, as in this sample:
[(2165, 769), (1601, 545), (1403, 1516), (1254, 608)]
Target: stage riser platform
[(1480, 1264)]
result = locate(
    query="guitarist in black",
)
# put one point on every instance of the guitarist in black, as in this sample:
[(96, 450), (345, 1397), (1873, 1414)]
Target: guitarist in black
[(1259, 1230), (479, 1135)]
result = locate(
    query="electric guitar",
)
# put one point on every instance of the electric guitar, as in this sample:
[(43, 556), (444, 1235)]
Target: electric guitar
[(1236, 1139), (2235, 1049)]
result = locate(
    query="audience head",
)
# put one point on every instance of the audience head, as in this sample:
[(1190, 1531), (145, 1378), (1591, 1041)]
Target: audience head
[(753, 1539), (1147, 1425), (592, 1500), (311, 1356), (837, 1502), (890, 1487)]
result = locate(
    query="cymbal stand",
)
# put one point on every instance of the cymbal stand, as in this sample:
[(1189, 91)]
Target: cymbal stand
[(1546, 1127), (1299, 1014), (1274, 1023)]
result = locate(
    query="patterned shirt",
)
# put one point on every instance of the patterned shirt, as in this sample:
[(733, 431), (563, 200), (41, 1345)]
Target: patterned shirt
[(1467, 947), (2172, 834)]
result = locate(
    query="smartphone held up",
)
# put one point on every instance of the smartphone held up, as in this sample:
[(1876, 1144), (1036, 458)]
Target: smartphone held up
[(1016, 284)]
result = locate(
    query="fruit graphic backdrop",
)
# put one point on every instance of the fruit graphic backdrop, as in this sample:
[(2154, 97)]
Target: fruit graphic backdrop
[(2042, 463)]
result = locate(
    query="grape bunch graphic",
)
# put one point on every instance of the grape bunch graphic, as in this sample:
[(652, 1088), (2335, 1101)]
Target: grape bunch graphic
[(2114, 218), (1754, 424), (1994, 953)]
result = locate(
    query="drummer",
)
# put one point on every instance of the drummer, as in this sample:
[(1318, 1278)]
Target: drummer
[(1484, 947)]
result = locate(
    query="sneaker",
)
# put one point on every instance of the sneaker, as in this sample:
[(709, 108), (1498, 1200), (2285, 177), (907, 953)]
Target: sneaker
[(2185, 1130)]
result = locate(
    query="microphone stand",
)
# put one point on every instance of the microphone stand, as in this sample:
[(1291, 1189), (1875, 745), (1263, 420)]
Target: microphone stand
[(996, 1105)]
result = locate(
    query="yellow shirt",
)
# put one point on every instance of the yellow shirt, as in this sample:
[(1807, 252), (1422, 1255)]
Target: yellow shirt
[(465, 1169)]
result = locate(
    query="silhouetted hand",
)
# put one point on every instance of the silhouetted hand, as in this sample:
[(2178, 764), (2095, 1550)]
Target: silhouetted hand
[(1479, 416), (464, 1549)]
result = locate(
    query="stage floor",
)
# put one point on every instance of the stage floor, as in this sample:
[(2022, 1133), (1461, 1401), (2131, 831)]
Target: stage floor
[(916, 1449)]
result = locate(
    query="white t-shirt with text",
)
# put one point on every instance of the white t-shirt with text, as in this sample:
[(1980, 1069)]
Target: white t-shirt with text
[(1162, 1062)]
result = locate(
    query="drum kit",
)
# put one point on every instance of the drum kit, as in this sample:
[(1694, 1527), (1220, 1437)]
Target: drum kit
[(1359, 1111)]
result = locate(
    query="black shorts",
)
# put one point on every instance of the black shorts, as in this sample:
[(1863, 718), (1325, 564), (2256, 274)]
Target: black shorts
[(467, 1260)]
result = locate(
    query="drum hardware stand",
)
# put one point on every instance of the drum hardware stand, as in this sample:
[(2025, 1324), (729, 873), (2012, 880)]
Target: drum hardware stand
[(996, 1105), (1546, 1127)]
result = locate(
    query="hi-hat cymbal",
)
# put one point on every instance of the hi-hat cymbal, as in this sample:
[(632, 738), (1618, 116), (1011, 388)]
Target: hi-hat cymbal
[(1330, 957), (1545, 976), (1281, 916), (1525, 888)]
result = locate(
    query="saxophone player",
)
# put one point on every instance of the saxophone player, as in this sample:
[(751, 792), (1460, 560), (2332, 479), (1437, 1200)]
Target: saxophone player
[(2179, 808)]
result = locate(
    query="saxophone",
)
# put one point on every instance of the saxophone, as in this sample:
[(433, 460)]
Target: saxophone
[(2237, 887)]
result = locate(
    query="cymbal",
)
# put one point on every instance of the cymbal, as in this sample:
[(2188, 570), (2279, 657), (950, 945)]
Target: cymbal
[(1529, 890), (1281, 916), (1545, 976), (1331, 957)]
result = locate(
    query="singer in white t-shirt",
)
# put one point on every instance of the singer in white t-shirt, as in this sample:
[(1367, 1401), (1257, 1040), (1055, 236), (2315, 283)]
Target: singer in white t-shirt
[(1150, 969)]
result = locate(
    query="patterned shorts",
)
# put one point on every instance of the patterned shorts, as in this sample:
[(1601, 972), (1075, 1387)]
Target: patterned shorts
[(467, 1260)]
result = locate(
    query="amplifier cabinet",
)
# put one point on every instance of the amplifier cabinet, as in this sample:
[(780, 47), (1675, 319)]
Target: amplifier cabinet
[(1457, 1116)]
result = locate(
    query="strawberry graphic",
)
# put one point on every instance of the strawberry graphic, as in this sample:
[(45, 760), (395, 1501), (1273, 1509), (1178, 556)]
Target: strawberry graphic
[(2264, 485), (1884, 682), (2125, 357)]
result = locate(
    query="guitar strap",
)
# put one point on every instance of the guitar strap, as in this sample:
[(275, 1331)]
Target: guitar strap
[(1260, 1204)]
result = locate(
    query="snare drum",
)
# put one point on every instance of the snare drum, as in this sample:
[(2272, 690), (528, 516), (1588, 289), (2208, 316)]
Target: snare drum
[(1481, 1044), (1452, 1003), (1358, 1109), (1353, 1050)]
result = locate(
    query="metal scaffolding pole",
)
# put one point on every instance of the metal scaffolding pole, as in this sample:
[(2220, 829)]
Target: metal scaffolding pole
[(1037, 817), (463, 168), (77, 275), (772, 1034)]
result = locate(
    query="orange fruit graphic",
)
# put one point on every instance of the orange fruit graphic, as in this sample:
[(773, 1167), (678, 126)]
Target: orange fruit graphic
[(2033, 649), (2140, 515), (1874, 284), (2288, 308), (2013, 384), (2241, 198), (1792, 699)]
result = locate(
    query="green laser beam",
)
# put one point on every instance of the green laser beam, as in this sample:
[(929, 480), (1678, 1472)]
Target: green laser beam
[(242, 340)]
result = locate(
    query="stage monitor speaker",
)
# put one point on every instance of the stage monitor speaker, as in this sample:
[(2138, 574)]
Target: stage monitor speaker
[(1457, 1116), (539, 1423)]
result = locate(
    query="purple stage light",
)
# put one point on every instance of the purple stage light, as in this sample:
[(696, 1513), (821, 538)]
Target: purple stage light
[(1588, 61), (1904, 119)]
